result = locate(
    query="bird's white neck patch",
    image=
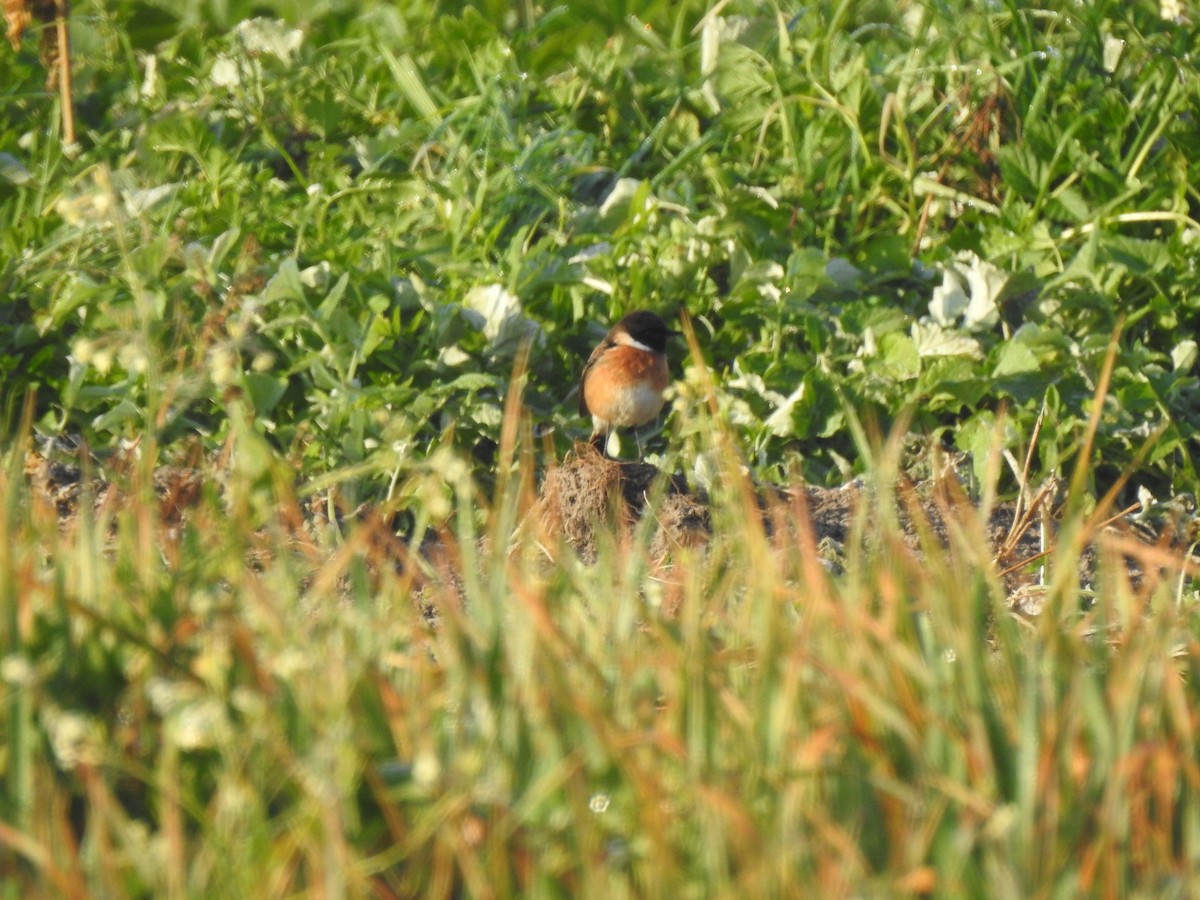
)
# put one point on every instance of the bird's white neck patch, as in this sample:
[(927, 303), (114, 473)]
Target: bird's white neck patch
[(625, 339)]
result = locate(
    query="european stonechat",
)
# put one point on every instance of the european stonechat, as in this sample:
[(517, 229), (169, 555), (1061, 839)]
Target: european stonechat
[(624, 379)]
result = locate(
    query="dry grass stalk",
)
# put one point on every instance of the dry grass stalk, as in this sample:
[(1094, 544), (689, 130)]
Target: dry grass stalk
[(54, 49)]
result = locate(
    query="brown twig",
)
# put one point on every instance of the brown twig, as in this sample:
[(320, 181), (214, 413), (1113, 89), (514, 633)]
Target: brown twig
[(1023, 520), (1023, 486), (54, 50), (62, 9)]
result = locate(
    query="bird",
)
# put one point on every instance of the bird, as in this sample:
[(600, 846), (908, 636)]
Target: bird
[(623, 382)]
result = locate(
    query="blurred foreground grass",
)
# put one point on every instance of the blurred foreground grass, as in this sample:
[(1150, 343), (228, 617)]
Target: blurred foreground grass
[(223, 709), (351, 215)]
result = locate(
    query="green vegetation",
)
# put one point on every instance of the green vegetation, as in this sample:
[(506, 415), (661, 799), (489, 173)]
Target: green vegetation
[(310, 244)]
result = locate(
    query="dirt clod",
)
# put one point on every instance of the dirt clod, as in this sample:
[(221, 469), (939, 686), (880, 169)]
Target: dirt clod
[(588, 490)]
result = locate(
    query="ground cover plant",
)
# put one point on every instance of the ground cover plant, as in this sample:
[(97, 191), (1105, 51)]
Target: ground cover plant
[(325, 269)]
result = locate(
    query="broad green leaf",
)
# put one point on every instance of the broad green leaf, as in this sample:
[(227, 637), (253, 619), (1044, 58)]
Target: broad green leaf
[(1183, 355), (899, 357), (265, 391), (1015, 358), (285, 284)]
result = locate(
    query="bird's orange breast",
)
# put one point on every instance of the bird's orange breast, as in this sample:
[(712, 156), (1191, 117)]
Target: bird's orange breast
[(625, 385)]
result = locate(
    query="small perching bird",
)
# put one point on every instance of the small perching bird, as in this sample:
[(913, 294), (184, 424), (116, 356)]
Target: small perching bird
[(624, 379)]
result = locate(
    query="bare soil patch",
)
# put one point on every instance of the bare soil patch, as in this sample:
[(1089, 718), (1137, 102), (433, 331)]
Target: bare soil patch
[(587, 495)]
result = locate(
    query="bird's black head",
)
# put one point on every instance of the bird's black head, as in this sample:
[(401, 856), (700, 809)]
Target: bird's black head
[(647, 328)]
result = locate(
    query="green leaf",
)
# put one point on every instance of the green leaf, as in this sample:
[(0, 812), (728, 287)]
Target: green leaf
[(285, 284), (125, 412), (333, 298), (1135, 254), (1015, 358), (265, 391), (980, 437), (899, 357), (1183, 355), (149, 24), (1073, 203)]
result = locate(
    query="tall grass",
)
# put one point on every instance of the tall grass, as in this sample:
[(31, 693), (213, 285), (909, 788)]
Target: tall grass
[(270, 709)]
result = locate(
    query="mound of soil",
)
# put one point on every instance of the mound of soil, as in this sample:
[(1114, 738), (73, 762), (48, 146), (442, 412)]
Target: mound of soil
[(588, 496), (589, 491)]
